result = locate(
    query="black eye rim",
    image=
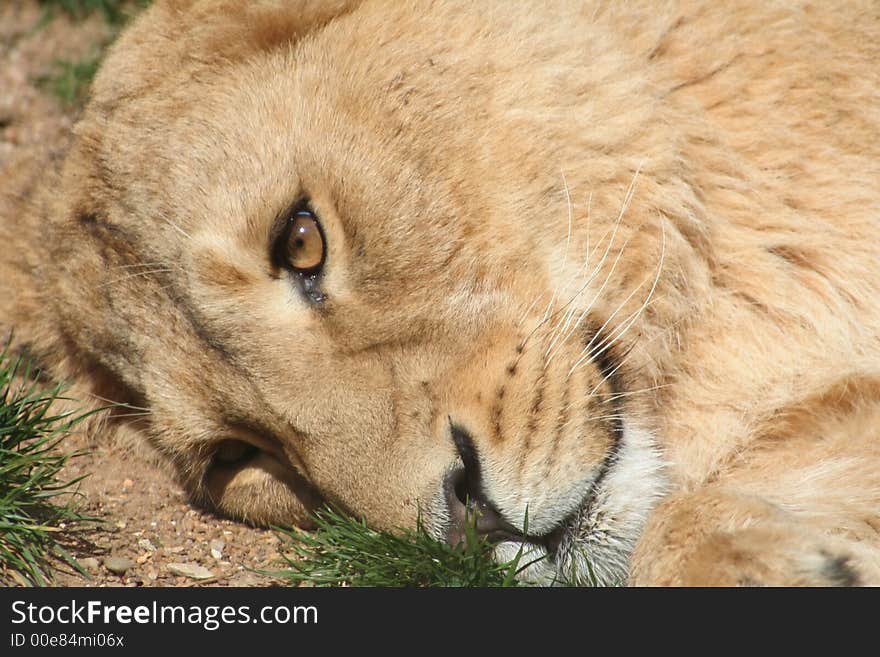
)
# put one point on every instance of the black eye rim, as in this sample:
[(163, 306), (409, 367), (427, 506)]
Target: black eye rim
[(307, 278)]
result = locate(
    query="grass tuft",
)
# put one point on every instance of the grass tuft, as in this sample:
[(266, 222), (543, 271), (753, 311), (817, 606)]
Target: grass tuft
[(114, 12), (39, 512), (345, 552), (70, 80)]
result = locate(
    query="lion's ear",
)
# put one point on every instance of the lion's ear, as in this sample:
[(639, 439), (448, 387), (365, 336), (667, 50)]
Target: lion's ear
[(182, 37), (232, 28)]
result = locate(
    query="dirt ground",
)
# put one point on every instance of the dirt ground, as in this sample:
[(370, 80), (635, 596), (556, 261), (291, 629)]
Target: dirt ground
[(149, 532)]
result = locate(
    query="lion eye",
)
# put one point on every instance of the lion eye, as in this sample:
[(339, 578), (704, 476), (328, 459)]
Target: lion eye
[(304, 250)]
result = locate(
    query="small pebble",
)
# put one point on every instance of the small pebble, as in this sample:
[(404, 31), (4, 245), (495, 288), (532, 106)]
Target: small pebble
[(146, 544), (217, 546), (118, 565), (191, 570), (90, 563)]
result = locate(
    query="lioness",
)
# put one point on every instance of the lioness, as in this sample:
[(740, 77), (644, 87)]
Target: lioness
[(606, 273)]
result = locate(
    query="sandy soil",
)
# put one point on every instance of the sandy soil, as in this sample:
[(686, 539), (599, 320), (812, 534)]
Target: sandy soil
[(147, 524), (147, 521)]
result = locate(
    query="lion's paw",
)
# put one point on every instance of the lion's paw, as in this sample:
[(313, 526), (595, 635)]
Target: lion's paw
[(768, 557)]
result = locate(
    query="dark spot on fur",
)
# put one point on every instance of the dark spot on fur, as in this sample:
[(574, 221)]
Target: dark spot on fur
[(532, 425), (839, 571), (559, 434), (749, 581), (751, 301), (496, 415), (794, 203), (84, 217), (792, 256), (608, 363), (663, 40), (227, 275)]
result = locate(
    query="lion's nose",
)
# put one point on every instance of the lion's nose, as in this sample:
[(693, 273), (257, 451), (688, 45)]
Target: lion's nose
[(468, 508), (468, 505)]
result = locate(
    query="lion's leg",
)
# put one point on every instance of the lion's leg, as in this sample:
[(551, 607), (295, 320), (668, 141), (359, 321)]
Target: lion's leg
[(801, 506), (719, 537)]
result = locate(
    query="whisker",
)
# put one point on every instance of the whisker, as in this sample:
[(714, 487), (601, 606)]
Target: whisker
[(568, 234), (593, 300), (119, 404), (598, 268), (630, 192), (599, 418), (174, 225), (648, 299), (612, 396), (610, 317), (624, 360), (143, 265), (529, 309), (147, 272), (589, 222), (608, 342), (565, 253)]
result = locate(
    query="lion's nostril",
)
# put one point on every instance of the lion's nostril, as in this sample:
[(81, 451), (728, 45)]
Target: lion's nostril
[(457, 501), (459, 486), (467, 507)]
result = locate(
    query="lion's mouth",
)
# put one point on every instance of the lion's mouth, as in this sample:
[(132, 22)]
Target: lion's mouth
[(550, 541), (567, 554)]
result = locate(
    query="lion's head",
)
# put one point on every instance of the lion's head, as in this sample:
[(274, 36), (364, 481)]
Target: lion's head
[(388, 256)]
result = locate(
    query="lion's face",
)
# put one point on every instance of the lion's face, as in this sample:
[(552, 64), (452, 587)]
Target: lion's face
[(339, 269)]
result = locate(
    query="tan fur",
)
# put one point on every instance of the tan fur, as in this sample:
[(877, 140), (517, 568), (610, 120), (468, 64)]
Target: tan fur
[(698, 181)]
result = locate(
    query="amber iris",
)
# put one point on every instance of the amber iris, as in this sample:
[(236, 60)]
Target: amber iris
[(305, 243)]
